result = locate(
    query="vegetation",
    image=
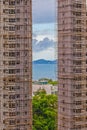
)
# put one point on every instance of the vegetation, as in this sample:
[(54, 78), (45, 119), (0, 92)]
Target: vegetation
[(50, 81), (44, 111)]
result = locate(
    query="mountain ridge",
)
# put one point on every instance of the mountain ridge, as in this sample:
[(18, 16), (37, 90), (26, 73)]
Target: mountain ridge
[(43, 61)]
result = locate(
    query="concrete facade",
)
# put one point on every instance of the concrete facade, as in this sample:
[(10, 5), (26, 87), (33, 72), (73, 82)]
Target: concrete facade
[(15, 65), (72, 59)]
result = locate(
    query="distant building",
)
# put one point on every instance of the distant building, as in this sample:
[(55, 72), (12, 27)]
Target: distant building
[(72, 60), (15, 64), (42, 82), (50, 89)]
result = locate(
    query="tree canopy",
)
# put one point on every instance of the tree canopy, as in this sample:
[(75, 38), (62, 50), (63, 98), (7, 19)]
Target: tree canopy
[(44, 111)]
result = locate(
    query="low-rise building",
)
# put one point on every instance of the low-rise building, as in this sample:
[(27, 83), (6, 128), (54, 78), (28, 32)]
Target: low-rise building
[(50, 89)]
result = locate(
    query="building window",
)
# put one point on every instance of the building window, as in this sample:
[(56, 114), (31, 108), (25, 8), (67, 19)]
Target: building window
[(5, 19), (12, 37), (11, 96), (63, 85), (63, 69), (11, 28), (12, 122), (12, 71), (12, 80), (5, 11), (12, 114), (18, 11), (63, 93), (63, 14), (78, 86), (78, 21), (18, 113), (77, 110), (63, 61), (12, 54), (18, 1), (12, 45), (5, 53), (77, 5), (63, 109), (77, 13), (5, 28), (17, 95), (63, 101), (12, 88), (11, 2), (18, 62), (17, 27), (11, 11), (12, 62), (12, 20), (17, 19), (26, 104), (5, 96), (18, 121), (77, 94), (78, 102), (25, 112), (12, 105), (5, 113)]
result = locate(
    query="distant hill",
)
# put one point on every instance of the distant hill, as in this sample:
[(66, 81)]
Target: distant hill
[(42, 61)]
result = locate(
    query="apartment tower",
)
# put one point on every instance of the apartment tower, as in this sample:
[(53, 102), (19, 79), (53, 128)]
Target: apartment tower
[(15, 65), (72, 68)]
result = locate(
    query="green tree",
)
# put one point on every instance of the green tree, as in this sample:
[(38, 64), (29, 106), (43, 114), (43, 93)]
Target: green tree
[(44, 111), (52, 82)]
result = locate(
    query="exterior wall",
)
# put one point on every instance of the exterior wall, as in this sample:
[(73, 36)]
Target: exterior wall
[(15, 65), (72, 59), (50, 89)]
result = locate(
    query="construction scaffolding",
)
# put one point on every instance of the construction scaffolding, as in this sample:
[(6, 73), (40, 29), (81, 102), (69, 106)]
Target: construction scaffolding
[(15, 65), (72, 68)]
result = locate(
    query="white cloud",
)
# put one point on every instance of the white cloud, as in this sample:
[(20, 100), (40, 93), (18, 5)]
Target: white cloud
[(41, 37), (40, 31), (49, 54)]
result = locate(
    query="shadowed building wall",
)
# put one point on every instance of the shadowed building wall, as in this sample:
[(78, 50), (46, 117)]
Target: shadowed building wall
[(15, 65), (72, 59)]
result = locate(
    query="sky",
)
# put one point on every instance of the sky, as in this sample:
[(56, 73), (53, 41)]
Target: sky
[(44, 29)]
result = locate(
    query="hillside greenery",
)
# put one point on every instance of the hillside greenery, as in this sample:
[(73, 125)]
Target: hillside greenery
[(44, 111)]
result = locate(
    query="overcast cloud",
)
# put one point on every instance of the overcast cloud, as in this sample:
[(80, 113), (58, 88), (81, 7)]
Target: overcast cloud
[(42, 45), (44, 11), (44, 29)]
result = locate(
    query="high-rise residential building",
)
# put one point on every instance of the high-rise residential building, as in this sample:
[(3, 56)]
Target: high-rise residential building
[(15, 64), (72, 59)]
